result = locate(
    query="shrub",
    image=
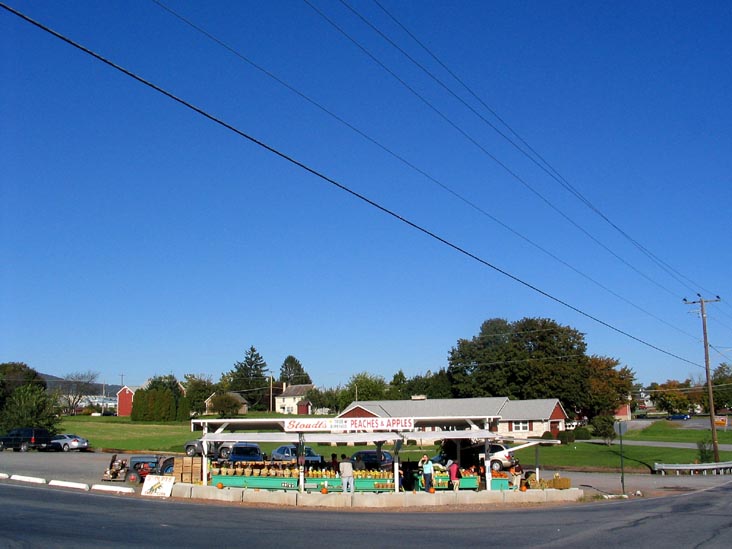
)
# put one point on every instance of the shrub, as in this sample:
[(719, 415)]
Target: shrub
[(566, 437), (706, 450), (582, 433), (603, 428), (547, 435)]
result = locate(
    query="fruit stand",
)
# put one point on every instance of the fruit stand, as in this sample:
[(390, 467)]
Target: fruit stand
[(468, 481), (266, 476)]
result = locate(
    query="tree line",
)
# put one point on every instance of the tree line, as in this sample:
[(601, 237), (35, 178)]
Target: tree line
[(530, 358)]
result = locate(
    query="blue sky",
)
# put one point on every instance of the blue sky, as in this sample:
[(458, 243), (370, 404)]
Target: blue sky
[(138, 238)]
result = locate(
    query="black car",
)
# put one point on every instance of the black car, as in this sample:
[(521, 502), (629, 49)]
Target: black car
[(26, 438), (370, 460), (246, 451)]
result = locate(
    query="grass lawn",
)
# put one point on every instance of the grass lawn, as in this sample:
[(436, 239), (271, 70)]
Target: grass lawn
[(674, 431), (581, 455), (122, 434)]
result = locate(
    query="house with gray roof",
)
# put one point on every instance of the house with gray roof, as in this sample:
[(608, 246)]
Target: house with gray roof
[(509, 418), (293, 400)]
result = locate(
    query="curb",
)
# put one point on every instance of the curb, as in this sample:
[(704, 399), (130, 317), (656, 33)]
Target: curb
[(23, 478), (65, 484), (113, 489)]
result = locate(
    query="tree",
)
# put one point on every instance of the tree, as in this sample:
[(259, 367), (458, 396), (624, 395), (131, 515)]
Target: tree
[(14, 375), (609, 387), (528, 359), (249, 377), (431, 385), (224, 405), (671, 396), (397, 389), (29, 406), (603, 428), (169, 382), (74, 388), (198, 389), (292, 372), (363, 386), (328, 399), (722, 381)]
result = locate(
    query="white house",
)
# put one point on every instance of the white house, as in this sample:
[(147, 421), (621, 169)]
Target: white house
[(293, 401)]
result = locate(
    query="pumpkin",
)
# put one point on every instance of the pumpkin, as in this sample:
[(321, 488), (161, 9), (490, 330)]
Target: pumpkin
[(432, 490), (220, 485), (324, 490)]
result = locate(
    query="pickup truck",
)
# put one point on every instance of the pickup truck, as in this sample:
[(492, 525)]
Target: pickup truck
[(26, 438)]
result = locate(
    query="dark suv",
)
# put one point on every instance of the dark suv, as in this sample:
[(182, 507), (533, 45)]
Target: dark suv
[(246, 451), (26, 438), (370, 460)]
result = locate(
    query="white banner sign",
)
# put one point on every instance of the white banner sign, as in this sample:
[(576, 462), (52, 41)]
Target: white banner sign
[(301, 425)]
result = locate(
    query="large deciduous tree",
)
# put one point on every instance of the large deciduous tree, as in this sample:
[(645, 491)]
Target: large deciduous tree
[(608, 386), (198, 389), (528, 359), (292, 372), (363, 386), (671, 396), (14, 375)]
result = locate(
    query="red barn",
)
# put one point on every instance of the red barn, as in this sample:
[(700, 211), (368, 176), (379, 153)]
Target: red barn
[(125, 396)]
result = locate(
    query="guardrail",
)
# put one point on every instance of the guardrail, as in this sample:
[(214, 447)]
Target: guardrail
[(722, 468)]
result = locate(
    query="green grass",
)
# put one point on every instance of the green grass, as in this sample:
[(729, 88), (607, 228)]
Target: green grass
[(122, 434), (581, 455), (672, 431)]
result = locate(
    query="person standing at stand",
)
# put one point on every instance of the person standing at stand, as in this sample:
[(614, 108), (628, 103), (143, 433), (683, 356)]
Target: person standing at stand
[(345, 469), (453, 470), (427, 470)]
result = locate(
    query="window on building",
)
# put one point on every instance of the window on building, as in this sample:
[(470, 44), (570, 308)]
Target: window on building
[(520, 425)]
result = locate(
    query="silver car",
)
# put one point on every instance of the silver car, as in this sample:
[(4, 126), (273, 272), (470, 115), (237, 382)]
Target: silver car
[(288, 452), (67, 442)]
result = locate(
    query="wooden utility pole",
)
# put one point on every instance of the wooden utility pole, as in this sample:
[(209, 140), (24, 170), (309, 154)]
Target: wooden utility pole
[(702, 302)]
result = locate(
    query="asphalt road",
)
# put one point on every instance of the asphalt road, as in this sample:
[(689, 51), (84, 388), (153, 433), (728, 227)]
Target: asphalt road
[(41, 517)]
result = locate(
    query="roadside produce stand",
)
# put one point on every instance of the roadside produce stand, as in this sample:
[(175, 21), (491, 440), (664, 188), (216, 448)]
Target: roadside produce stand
[(338, 432)]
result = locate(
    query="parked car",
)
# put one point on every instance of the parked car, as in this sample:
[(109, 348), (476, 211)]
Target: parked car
[(288, 452), (66, 442), (246, 451), (679, 417), (370, 459), (215, 449), (26, 438), (500, 457), (135, 468)]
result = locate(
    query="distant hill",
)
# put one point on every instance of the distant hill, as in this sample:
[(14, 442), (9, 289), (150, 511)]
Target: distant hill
[(54, 382)]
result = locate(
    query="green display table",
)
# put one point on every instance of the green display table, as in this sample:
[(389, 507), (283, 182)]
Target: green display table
[(442, 482), (311, 483), (264, 483), (499, 484)]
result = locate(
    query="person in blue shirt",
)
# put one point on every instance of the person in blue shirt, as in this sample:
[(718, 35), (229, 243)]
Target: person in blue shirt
[(427, 470)]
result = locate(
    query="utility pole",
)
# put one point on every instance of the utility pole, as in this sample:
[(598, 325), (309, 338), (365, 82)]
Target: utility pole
[(703, 302)]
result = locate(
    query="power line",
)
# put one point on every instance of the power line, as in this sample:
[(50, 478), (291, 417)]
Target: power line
[(490, 155), (542, 163), (336, 184), (416, 168)]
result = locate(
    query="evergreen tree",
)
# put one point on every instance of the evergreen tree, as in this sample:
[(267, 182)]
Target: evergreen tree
[(250, 378), (29, 406), (292, 372)]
